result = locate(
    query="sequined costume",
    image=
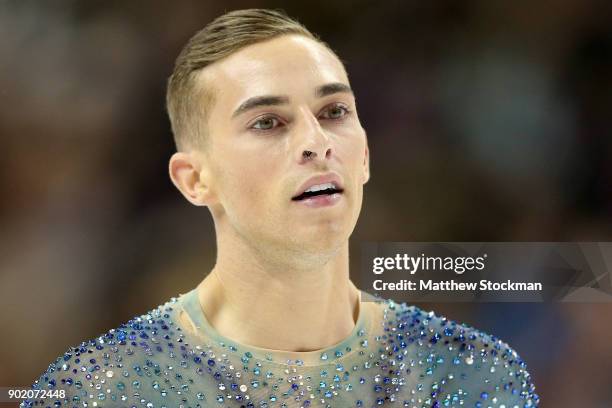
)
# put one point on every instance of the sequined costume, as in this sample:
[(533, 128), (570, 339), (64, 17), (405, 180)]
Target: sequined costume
[(397, 355)]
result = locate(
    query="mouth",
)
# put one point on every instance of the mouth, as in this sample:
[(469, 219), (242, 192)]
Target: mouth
[(319, 190)]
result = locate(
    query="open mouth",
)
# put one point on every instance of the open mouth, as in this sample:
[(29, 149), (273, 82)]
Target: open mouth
[(318, 190)]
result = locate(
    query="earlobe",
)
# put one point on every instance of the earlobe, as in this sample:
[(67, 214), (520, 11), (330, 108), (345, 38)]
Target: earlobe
[(186, 175)]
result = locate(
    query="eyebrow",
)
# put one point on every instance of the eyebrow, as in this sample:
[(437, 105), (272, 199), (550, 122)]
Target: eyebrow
[(274, 100)]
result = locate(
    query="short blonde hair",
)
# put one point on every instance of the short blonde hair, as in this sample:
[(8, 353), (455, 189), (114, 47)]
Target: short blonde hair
[(188, 105)]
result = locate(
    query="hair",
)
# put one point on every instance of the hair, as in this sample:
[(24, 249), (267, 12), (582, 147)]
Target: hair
[(188, 103)]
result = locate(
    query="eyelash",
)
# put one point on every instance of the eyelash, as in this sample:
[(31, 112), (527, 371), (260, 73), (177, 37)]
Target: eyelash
[(346, 110)]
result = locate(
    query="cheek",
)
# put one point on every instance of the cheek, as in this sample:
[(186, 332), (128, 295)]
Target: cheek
[(351, 151), (246, 182)]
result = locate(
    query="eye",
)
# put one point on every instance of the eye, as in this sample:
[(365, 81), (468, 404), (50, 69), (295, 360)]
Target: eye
[(265, 123), (335, 111)]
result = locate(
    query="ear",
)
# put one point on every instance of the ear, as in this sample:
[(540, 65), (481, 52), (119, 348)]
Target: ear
[(188, 175), (366, 164)]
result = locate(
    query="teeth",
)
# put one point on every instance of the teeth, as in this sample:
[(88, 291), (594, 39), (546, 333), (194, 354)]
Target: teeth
[(319, 187)]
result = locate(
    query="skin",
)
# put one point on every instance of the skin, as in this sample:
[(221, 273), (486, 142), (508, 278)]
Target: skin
[(280, 264)]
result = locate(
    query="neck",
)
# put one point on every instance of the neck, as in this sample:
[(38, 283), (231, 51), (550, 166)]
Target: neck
[(280, 307)]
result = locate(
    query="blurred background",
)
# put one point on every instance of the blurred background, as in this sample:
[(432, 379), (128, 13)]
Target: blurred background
[(487, 121)]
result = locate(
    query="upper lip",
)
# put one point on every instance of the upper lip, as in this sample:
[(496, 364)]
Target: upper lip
[(332, 178)]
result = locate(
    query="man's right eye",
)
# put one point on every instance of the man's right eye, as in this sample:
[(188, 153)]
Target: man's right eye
[(265, 123)]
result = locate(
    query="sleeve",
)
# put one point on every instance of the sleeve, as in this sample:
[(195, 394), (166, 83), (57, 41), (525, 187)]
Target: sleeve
[(482, 371), (118, 369), (455, 365), (82, 376), (144, 362), (62, 382)]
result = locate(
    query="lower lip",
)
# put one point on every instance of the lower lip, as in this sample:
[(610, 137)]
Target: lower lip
[(325, 200)]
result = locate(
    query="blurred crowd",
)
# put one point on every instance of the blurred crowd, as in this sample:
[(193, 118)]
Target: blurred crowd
[(487, 121)]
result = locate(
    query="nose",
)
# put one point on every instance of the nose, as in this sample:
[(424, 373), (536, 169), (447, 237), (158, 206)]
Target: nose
[(313, 142)]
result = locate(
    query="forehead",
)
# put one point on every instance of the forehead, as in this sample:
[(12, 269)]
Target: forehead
[(291, 65)]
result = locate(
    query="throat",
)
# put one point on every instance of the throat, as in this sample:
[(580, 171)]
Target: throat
[(314, 323)]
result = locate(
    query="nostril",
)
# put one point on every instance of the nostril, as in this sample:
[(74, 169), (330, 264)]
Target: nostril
[(307, 154)]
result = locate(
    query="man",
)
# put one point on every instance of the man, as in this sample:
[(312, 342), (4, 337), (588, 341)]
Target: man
[(268, 138)]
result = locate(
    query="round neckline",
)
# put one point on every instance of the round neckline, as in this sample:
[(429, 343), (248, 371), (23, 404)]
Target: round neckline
[(355, 341)]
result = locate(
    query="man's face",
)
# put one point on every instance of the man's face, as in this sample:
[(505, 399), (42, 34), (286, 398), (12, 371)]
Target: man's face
[(284, 114)]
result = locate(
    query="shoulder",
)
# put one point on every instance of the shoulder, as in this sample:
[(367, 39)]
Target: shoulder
[(455, 363), (108, 370)]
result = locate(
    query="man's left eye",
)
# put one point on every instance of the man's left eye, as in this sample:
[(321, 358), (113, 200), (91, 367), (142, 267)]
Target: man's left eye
[(335, 112)]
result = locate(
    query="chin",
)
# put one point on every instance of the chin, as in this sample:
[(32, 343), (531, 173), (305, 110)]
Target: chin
[(322, 240)]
